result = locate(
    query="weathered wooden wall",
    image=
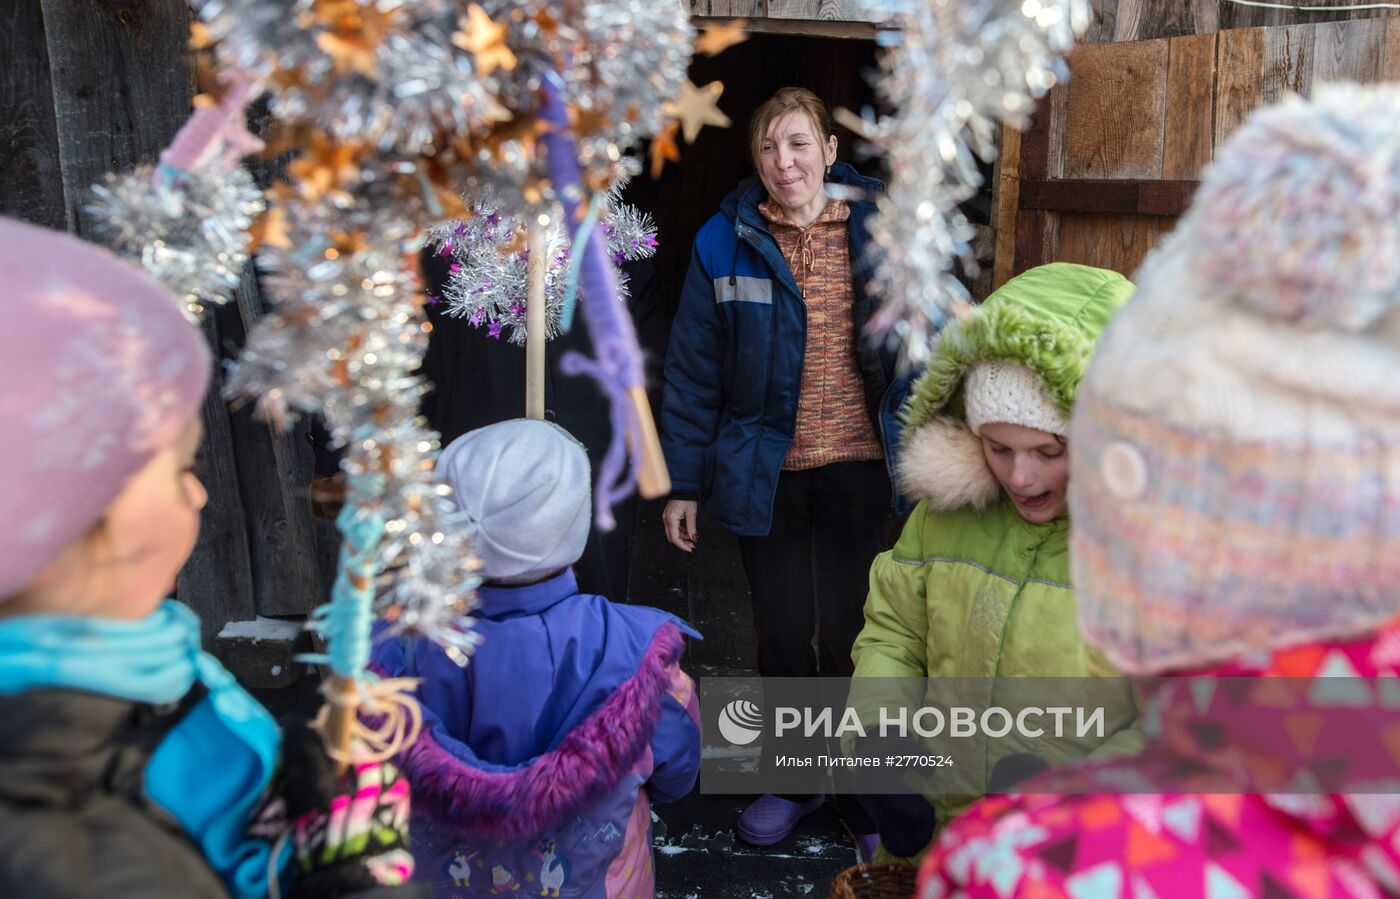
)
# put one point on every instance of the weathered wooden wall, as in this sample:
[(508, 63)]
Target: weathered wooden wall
[(1113, 156), (91, 86), (827, 10), (1114, 20), (1140, 20)]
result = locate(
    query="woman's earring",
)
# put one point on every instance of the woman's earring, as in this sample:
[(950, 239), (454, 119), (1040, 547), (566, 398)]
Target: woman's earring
[(828, 171)]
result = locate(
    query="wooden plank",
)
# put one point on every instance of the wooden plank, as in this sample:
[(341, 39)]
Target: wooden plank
[(836, 10), (1081, 195), (1034, 231), (274, 469), (1006, 200), (1117, 242), (1236, 16), (1116, 111), (865, 31), (1288, 61), (1104, 19), (1390, 67), (1239, 68), (1190, 113), (31, 172), (122, 83), (1349, 51), (748, 8), (1035, 239), (1103, 196), (217, 581), (1035, 143), (1207, 15), (1139, 20), (1166, 197), (1059, 113)]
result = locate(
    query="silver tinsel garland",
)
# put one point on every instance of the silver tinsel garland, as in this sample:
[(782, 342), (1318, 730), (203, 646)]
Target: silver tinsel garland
[(488, 283), (619, 61), (410, 87), (960, 68), (343, 340), (191, 235), (396, 105)]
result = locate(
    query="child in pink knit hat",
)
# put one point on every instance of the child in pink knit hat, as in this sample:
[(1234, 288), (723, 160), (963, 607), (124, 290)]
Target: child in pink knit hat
[(131, 763)]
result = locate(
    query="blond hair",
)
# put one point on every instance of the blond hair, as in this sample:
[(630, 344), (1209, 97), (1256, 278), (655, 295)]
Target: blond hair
[(786, 100)]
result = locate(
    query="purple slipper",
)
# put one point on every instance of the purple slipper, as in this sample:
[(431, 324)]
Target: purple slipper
[(769, 819)]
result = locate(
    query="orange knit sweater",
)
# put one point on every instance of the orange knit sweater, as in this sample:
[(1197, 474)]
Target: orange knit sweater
[(833, 424)]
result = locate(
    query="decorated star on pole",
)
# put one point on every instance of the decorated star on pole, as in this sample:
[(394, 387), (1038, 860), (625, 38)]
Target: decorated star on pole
[(485, 40), (717, 38), (697, 107)]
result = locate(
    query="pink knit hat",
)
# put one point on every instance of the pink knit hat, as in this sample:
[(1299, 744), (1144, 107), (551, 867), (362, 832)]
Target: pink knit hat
[(99, 371)]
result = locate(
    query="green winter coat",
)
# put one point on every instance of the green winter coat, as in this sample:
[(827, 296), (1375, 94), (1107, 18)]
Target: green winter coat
[(971, 589)]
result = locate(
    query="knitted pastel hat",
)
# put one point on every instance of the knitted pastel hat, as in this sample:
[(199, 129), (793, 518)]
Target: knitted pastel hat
[(1235, 473), (99, 371), (1016, 358), (524, 486)]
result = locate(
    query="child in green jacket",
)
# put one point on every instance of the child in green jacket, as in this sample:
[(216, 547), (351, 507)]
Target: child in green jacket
[(978, 584)]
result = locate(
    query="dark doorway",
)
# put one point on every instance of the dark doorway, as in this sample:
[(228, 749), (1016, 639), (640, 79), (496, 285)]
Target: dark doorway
[(687, 194)]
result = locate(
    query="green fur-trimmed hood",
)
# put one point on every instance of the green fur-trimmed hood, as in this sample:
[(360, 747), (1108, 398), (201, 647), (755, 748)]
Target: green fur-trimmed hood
[(1046, 319)]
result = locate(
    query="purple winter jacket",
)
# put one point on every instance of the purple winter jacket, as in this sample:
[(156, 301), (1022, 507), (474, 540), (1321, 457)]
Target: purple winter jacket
[(539, 760)]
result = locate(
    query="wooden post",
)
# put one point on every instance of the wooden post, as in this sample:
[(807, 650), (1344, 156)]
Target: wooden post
[(535, 322), (343, 701), (653, 480)]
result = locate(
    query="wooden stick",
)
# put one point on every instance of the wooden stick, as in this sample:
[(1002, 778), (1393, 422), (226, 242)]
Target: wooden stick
[(342, 705), (653, 480), (535, 324)]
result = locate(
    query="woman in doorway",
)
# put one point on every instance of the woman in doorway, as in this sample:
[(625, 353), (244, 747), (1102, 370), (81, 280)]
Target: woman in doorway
[(777, 415)]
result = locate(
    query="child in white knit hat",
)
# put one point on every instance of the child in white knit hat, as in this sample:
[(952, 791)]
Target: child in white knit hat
[(131, 763), (978, 584), (541, 758)]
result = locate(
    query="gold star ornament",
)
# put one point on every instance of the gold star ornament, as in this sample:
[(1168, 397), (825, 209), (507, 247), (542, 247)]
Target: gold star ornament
[(717, 38), (664, 149), (697, 107), (484, 40)]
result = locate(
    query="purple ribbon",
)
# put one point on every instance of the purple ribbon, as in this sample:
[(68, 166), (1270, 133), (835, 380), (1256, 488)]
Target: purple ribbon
[(617, 362)]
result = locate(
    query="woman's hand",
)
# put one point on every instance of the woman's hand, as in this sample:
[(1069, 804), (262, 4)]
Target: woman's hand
[(679, 516)]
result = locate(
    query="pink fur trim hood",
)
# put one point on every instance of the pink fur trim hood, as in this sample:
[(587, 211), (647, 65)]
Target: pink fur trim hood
[(585, 766)]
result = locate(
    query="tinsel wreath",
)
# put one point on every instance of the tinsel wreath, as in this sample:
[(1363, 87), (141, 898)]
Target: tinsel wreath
[(957, 70), (487, 282)]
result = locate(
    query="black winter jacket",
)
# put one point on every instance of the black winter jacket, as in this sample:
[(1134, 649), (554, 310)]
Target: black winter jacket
[(75, 822)]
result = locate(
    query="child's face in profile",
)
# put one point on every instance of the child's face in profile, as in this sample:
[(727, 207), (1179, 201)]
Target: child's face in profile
[(1031, 466), (150, 529)]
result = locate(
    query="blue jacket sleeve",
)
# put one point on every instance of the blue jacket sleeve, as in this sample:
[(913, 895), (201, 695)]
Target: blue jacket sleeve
[(675, 745), (693, 396)]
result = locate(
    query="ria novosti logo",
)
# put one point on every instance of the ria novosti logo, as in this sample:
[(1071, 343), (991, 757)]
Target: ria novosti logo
[(740, 722)]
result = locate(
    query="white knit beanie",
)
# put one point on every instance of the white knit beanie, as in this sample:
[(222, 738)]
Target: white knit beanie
[(524, 486), (1012, 394)]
